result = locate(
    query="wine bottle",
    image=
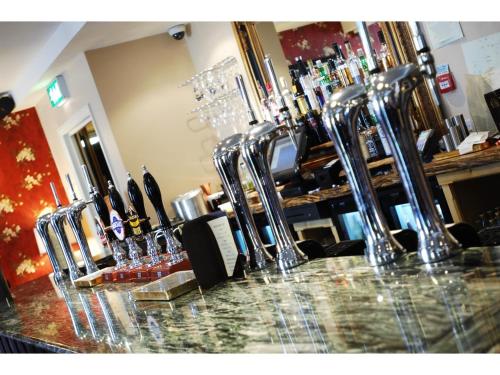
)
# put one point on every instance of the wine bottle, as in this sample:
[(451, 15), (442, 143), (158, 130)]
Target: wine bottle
[(341, 65), (385, 55), (354, 64), (137, 200), (154, 194)]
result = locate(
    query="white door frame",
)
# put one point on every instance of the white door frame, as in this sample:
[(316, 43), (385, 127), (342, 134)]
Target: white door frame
[(70, 127)]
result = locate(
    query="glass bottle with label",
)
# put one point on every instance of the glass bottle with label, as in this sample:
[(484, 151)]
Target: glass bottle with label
[(354, 64), (385, 55), (341, 65)]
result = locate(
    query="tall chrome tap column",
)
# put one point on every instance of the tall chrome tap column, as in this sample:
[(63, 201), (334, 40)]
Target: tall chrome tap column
[(57, 221), (255, 149), (340, 115), (225, 157), (390, 95), (42, 227), (74, 216), (280, 100)]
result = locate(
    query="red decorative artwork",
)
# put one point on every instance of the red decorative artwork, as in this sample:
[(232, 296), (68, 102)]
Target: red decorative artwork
[(315, 40), (27, 167)]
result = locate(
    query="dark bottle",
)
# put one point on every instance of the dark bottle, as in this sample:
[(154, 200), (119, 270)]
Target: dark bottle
[(102, 211), (117, 204), (297, 88), (137, 200), (299, 120), (154, 194), (315, 123)]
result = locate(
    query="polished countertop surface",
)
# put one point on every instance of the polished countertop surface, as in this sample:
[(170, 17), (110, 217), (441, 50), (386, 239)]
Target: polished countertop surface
[(325, 306)]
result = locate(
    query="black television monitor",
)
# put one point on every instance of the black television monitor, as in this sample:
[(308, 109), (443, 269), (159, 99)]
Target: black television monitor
[(493, 102)]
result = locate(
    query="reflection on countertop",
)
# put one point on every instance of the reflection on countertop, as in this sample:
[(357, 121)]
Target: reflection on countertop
[(325, 306)]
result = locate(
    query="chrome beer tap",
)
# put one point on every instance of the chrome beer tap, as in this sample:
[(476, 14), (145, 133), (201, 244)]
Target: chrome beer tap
[(340, 116), (74, 216), (226, 156), (426, 65), (255, 149), (280, 100), (390, 95), (119, 254), (252, 119), (57, 220), (134, 251), (42, 227)]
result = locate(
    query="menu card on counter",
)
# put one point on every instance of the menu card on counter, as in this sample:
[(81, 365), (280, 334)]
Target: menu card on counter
[(474, 138), (223, 235)]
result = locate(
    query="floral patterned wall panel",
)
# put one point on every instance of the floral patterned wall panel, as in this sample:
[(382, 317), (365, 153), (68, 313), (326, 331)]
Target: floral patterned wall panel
[(26, 168), (315, 40)]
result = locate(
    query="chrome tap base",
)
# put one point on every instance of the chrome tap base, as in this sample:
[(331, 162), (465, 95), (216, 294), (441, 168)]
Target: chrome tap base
[(390, 95), (133, 253), (153, 250), (286, 257), (174, 248), (119, 255)]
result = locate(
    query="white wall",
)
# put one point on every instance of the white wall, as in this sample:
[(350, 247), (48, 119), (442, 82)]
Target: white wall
[(83, 92), (139, 83), (468, 96)]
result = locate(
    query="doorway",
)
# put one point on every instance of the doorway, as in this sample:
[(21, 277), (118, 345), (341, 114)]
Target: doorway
[(88, 145)]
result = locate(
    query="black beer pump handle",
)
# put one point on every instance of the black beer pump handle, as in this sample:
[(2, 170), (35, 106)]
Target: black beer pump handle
[(135, 196), (117, 204), (103, 212), (154, 194), (99, 203)]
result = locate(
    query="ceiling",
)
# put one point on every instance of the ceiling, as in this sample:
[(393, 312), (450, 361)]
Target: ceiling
[(20, 42), (23, 43)]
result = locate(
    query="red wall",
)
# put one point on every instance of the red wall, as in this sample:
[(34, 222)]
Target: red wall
[(315, 40), (26, 168)]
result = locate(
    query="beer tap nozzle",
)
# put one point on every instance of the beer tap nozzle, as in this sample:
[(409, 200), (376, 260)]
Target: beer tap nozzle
[(71, 188), (252, 120), (56, 196)]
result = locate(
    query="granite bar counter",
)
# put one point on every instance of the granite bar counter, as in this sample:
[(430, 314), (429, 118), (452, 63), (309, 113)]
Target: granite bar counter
[(332, 305)]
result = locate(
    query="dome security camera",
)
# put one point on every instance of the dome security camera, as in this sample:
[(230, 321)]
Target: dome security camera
[(177, 31)]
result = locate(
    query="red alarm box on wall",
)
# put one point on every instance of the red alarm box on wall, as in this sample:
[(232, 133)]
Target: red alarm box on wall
[(444, 79)]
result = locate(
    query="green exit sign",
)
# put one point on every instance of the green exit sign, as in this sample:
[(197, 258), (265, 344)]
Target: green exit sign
[(57, 91)]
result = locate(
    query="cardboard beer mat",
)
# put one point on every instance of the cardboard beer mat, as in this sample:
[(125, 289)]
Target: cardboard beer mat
[(166, 288), (92, 279)]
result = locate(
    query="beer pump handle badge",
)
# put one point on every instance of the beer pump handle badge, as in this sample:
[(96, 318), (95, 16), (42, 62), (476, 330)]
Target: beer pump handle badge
[(117, 225)]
